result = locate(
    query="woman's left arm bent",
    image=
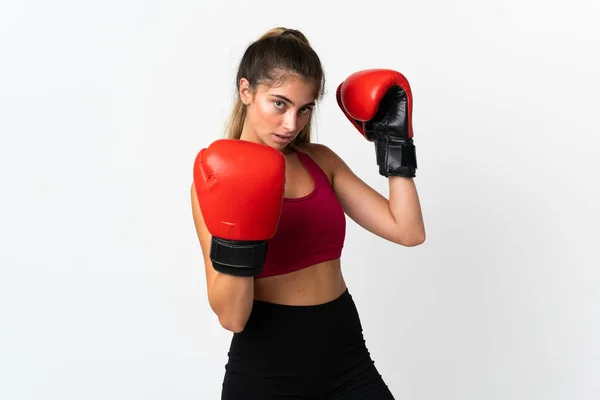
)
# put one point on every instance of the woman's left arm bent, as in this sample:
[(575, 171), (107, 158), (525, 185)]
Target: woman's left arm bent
[(398, 219)]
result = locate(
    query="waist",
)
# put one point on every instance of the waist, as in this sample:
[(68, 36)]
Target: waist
[(294, 340), (317, 284)]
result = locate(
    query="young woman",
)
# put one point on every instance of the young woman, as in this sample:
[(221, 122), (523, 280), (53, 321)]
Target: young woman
[(269, 207)]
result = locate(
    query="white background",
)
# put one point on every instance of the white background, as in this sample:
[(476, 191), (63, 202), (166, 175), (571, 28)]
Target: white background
[(104, 105)]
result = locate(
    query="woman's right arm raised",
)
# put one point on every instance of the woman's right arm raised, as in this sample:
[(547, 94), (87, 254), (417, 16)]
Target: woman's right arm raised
[(230, 297)]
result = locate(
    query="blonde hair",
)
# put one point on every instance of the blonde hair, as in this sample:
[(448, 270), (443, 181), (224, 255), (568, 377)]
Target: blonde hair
[(278, 53)]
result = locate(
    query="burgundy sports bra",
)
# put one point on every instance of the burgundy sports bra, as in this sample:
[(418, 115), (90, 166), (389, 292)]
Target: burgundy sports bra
[(311, 228)]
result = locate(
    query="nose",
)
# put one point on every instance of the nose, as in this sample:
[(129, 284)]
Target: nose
[(290, 121)]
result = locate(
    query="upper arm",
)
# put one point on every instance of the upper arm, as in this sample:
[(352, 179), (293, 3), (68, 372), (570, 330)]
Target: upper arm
[(363, 204), (204, 237)]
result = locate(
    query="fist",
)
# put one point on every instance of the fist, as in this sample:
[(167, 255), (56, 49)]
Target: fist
[(378, 102)]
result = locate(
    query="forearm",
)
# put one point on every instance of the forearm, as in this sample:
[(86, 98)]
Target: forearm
[(231, 298), (406, 209)]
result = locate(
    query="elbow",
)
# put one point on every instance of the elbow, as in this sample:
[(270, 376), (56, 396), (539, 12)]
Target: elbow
[(412, 240), (232, 315), (232, 321), (235, 325)]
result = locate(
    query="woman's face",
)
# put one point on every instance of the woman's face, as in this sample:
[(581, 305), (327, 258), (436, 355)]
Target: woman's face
[(276, 114)]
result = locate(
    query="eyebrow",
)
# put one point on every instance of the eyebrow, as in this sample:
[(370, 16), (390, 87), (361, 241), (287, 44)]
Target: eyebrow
[(312, 103)]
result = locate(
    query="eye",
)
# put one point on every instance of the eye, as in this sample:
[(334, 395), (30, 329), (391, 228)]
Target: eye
[(279, 104), (306, 110)]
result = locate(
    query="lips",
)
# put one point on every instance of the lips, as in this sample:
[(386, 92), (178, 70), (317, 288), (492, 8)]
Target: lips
[(281, 139)]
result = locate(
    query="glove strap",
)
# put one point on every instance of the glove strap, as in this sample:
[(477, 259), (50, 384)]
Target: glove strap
[(238, 258), (396, 157)]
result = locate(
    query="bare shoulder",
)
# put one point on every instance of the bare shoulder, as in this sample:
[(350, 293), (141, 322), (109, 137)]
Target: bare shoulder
[(329, 161)]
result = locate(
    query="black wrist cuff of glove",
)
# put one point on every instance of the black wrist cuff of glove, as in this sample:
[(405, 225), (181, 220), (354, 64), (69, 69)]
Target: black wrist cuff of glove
[(238, 258), (396, 158)]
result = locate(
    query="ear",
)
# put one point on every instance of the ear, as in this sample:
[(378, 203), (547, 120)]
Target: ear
[(245, 91)]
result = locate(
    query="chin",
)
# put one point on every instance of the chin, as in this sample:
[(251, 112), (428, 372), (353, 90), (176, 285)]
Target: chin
[(280, 147)]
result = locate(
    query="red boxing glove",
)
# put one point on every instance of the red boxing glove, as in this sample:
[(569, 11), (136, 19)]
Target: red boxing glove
[(240, 187), (378, 102)]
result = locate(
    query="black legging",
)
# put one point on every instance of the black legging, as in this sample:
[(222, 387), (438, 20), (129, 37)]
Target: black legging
[(302, 352)]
